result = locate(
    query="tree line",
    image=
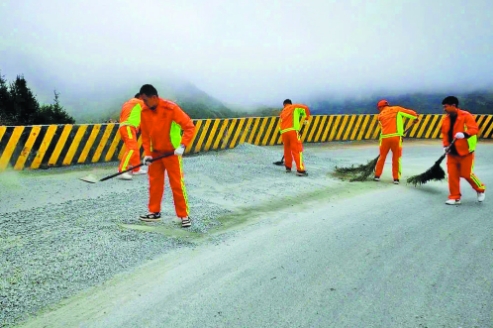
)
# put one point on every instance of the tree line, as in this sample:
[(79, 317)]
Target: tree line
[(19, 106)]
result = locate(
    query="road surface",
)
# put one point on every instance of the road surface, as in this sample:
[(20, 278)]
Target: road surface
[(369, 254)]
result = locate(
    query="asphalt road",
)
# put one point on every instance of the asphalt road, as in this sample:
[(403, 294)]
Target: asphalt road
[(392, 256)]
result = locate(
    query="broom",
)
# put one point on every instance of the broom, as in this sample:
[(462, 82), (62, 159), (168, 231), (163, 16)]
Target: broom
[(365, 170), (435, 172)]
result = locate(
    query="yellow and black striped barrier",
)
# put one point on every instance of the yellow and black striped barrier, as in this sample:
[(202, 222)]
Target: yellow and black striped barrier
[(37, 147)]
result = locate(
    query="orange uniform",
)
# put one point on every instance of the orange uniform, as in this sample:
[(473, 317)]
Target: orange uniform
[(391, 123), (162, 129), (460, 158), (129, 126), (290, 121)]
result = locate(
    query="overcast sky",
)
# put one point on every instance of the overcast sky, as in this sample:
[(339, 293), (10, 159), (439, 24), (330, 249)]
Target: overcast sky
[(250, 51)]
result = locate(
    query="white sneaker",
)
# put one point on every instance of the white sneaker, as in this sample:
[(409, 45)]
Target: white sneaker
[(481, 196), (140, 172), (452, 202), (125, 176)]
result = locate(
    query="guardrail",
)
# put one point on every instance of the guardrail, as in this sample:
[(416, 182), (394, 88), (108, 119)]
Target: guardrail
[(44, 146)]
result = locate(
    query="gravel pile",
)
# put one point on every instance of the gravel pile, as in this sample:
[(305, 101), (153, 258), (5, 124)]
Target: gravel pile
[(59, 235)]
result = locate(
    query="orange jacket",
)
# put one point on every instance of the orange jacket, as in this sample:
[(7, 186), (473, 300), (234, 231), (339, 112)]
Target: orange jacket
[(466, 123), (390, 120), (290, 117), (162, 128), (130, 112)]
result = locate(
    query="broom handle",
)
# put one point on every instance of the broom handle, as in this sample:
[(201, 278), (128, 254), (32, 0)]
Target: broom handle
[(445, 153), (136, 166)]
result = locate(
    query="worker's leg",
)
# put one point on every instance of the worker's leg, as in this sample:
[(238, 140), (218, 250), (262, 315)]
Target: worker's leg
[(156, 185), (396, 147), (174, 168), (288, 157), (384, 150), (467, 172), (297, 150), (132, 152), (453, 170)]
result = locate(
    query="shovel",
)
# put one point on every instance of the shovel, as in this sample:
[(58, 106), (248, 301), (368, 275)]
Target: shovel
[(92, 179)]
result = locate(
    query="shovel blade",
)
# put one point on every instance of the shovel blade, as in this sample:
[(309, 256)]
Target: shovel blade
[(89, 178)]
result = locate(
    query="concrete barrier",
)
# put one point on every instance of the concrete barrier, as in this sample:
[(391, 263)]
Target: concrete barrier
[(44, 146)]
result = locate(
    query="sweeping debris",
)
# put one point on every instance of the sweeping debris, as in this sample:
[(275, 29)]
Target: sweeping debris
[(434, 173)]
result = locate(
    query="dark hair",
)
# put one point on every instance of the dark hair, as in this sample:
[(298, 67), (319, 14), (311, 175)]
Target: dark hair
[(137, 95), (148, 90), (287, 102), (450, 100)]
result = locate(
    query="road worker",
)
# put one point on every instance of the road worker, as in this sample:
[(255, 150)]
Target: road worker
[(129, 127), (390, 119), (291, 118), (162, 125), (460, 125)]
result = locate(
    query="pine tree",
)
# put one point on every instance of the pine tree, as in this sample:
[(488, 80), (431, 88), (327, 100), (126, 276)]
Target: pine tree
[(5, 103), (25, 105)]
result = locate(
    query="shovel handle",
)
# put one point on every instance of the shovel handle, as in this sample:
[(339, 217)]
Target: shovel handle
[(136, 166)]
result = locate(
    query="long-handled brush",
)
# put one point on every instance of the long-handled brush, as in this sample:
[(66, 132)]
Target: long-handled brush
[(435, 172), (92, 179), (364, 170)]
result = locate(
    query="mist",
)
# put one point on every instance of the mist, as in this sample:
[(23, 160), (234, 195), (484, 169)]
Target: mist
[(247, 52)]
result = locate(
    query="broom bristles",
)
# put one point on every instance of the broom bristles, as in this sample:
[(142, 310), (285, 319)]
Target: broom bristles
[(434, 173), (364, 170)]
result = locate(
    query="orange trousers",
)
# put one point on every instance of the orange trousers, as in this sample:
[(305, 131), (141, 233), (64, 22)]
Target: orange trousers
[(173, 166), (293, 149), (395, 145), (462, 167), (132, 153)]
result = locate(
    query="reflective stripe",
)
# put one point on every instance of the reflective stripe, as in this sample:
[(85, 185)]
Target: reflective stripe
[(183, 188), (134, 117), (390, 135), (127, 160), (129, 132), (298, 113), (471, 141), (175, 134), (289, 129)]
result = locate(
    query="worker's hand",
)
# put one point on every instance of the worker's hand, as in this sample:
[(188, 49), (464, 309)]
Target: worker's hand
[(147, 160), (459, 135), (305, 122), (180, 150)]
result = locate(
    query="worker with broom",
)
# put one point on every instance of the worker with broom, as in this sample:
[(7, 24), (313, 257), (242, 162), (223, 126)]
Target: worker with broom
[(291, 118), (392, 130), (460, 125), (129, 127), (163, 123)]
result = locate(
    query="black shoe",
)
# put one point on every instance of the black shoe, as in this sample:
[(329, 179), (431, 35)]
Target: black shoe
[(185, 223), (376, 178), (151, 217), (301, 173), (396, 181), (288, 170)]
